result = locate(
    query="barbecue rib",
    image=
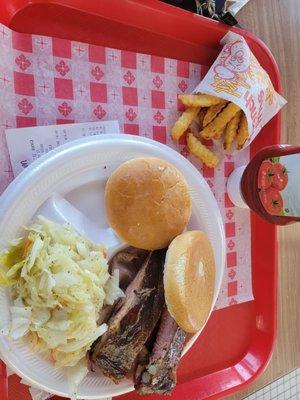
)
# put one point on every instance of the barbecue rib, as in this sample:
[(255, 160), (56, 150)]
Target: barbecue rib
[(132, 322), (159, 376)]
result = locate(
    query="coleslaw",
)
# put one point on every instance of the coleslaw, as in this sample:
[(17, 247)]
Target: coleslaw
[(59, 283)]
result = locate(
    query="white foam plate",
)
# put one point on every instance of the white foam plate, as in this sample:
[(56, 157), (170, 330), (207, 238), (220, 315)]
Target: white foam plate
[(68, 184)]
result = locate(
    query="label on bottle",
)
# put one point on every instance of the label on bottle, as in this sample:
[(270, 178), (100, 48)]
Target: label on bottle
[(279, 185)]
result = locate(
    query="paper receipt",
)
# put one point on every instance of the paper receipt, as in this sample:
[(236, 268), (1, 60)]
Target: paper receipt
[(25, 145)]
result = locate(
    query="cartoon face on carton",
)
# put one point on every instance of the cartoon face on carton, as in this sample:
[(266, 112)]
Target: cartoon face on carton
[(236, 60)]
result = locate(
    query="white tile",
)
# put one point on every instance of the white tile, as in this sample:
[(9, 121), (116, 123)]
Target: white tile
[(286, 385), (273, 393), (293, 381), (280, 388), (284, 388), (287, 394), (267, 396), (293, 390)]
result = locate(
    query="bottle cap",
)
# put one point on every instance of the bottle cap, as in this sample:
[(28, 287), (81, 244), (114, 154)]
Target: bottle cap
[(234, 187)]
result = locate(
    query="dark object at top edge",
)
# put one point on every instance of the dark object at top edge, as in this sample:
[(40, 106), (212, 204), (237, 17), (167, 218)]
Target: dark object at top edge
[(207, 8)]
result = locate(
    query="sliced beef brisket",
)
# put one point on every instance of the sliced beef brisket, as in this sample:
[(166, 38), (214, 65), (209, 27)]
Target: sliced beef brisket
[(159, 376), (132, 322)]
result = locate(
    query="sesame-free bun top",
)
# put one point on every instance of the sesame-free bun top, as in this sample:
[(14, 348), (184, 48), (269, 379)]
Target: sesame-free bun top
[(189, 280), (147, 202)]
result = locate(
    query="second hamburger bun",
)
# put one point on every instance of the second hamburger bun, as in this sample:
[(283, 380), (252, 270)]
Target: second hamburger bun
[(147, 202), (189, 280)]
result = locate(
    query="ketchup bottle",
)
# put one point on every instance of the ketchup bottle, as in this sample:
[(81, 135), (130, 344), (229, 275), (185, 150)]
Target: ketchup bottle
[(269, 184)]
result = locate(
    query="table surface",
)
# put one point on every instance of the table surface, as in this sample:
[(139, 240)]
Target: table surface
[(277, 23)]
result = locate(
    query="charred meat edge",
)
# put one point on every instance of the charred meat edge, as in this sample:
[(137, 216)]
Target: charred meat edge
[(159, 376), (132, 322)]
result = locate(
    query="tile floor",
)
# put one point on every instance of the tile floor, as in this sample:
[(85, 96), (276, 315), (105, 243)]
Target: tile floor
[(285, 388)]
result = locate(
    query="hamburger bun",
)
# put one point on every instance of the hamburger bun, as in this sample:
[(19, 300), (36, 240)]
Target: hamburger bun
[(189, 280), (147, 202)]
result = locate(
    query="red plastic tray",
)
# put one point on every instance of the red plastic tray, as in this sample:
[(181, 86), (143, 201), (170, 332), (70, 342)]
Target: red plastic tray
[(237, 342)]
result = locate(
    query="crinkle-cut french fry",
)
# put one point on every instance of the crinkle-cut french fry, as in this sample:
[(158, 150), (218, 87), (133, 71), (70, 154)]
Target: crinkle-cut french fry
[(184, 122), (197, 123), (201, 116), (220, 133), (213, 111), (198, 100), (221, 120), (243, 132), (231, 130), (200, 151)]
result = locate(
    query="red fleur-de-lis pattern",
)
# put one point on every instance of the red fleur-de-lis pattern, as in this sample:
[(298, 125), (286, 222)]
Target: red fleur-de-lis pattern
[(25, 106), (129, 77), (62, 68), (99, 112), (56, 81), (23, 62), (64, 109), (158, 117), (232, 274), (97, 73), (229, 214), (230, 244), (130, 114), (182, 85), (157, 82)]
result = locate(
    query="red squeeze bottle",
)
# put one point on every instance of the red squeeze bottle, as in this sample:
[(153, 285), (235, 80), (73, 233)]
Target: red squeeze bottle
[(269, 184)]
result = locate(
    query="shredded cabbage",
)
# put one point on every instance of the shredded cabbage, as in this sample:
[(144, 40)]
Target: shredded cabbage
[(59, 282)]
